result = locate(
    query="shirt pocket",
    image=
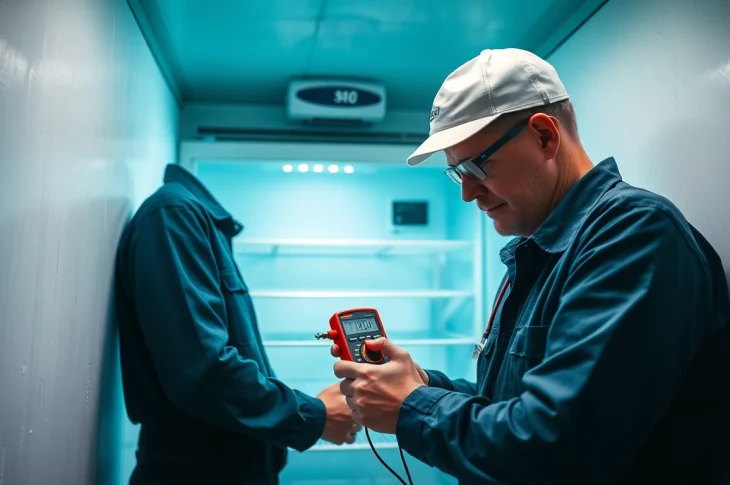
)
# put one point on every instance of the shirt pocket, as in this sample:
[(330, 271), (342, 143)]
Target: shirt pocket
[(526, 351), (231, 282), (529, 343), (239, 312)]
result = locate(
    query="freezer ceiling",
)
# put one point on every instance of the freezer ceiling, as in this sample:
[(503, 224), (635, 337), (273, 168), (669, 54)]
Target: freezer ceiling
[(245, 51)]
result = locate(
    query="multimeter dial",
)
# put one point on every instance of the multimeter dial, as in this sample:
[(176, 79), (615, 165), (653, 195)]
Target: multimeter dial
[(361, 353), (371, 356)]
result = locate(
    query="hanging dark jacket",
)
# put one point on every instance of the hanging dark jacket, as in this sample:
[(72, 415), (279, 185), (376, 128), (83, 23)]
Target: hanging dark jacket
[(195, 372)]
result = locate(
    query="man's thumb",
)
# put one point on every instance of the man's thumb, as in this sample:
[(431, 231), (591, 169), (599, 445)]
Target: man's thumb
[(385, 346)]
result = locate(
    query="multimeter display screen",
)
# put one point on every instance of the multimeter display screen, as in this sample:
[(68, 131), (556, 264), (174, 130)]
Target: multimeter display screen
[(360, 325)]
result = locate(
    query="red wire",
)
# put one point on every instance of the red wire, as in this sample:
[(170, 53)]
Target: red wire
[(496, 306)]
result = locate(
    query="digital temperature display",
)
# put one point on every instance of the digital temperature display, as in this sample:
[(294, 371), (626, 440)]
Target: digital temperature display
[(361, 325)]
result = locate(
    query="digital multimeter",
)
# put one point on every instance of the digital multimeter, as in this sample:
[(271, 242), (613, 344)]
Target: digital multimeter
[(350, 329)]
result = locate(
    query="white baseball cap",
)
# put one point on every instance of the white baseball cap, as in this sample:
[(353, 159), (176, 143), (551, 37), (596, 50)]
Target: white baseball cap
[(497, 81)]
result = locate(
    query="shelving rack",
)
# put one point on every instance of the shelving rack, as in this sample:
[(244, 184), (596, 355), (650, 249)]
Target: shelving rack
[(423, 249)]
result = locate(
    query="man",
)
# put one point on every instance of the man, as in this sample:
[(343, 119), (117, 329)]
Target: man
[(607, 360), (195, 372)]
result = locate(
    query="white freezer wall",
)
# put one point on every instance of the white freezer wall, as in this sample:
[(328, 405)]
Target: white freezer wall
[(87, 124), (650, 81)]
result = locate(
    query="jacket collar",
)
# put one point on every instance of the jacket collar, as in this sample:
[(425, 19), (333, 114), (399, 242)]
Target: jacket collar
[(560, 227), (178, 175)]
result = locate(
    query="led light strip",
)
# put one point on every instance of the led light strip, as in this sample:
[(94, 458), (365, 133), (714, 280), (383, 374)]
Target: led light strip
[(318, 168)]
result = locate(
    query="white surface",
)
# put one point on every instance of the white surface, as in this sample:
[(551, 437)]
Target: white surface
[(86, 126), (377, 247), (650, 81), (360, 294)]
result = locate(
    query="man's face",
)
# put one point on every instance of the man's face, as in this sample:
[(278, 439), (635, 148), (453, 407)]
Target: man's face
[(520, 176)]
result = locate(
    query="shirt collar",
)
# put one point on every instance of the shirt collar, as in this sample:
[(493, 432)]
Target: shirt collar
[(560, 227), (177, 174)]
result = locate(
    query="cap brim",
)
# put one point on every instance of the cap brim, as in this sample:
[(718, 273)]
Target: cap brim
[(447, 138)]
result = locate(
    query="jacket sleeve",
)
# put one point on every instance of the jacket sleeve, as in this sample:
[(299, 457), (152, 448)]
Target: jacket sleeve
[(182, 314), (621, 341), (440, 380)]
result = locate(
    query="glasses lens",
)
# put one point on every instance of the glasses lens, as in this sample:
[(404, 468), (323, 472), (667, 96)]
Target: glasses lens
[(454, 175), (471, 170)]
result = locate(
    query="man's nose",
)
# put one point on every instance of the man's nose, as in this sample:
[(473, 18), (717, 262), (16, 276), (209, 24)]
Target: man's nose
[(471, 189)]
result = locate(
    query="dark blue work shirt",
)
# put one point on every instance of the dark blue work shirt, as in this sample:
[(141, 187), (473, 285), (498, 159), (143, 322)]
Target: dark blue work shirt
[(195, 372), (608, 360)]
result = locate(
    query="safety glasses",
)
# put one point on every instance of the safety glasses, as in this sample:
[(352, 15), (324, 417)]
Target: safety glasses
[(473, 168)]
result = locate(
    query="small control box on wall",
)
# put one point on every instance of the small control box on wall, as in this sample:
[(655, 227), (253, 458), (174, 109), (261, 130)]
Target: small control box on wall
[(409, 213)]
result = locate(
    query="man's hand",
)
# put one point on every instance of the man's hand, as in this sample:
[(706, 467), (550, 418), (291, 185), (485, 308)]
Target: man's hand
[(375, 392), (335, 351), (339, 427)]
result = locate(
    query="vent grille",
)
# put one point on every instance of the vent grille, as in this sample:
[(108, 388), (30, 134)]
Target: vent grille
[(310, 136)]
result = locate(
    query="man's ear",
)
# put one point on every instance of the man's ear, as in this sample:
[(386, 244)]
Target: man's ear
[(547, 133)]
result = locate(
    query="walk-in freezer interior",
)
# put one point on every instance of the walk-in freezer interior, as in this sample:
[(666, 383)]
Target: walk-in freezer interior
[(319, 238), (96, 97)]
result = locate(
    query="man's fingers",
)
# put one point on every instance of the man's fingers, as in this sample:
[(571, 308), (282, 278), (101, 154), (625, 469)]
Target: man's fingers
[(347, 388), (335, 350), (346, 370)]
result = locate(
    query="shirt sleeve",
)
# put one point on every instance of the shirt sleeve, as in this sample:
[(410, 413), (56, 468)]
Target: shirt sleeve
[(442, 381), (181, 311), (631, 317)]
